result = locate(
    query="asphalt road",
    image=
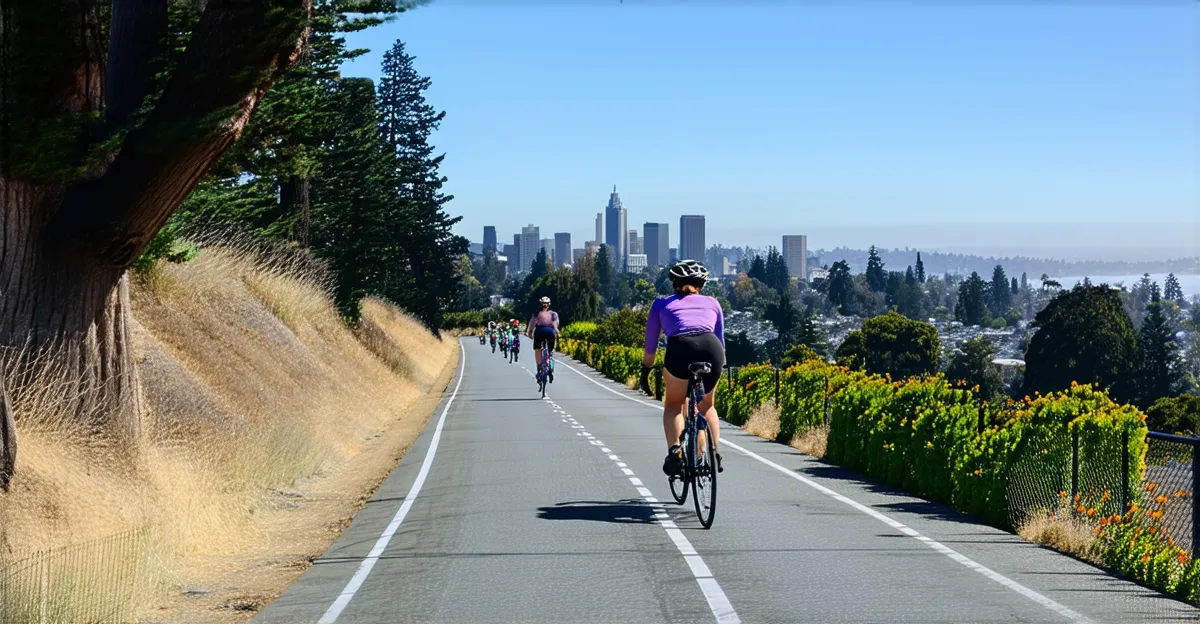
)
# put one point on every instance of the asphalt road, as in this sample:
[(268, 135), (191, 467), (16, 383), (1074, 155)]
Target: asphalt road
[(510, 508)]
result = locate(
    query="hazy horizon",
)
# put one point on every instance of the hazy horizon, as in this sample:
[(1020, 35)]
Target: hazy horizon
[(1064, 131)]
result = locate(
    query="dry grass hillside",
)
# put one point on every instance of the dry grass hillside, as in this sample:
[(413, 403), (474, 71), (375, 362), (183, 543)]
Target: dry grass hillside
[(269, 422)]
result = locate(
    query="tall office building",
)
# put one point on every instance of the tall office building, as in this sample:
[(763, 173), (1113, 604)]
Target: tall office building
[(562, 249), (673, 255), (530, 242), (795, 254), (489, 238), (656, 244), (548, 247), (577, 255), (514, 256), (615, 232), (599, 227), (691, 237), (635, 243)]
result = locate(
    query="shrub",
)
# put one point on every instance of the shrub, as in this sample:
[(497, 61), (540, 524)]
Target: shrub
[(624, 327), (1179, 414), (581, 330)]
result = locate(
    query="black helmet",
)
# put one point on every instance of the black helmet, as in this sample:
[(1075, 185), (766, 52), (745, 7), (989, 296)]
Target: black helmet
[(689, 271)]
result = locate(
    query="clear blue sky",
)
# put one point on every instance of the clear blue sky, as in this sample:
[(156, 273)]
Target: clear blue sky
[(999, 128)]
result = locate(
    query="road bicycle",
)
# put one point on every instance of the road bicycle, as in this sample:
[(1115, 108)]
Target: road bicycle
[(504, 346), (699, 471), (514, 348), (545, 366), (493, 337)]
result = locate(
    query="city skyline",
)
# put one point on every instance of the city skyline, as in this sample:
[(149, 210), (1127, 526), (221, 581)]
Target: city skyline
[(1059, 131)]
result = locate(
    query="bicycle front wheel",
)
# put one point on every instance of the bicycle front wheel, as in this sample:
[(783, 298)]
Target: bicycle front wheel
[(704, 486)]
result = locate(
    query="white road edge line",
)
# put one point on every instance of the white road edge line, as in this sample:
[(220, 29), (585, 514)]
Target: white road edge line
[(954, 555), (364, 568)]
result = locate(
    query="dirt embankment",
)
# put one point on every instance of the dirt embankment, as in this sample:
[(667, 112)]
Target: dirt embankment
[(269, 423)]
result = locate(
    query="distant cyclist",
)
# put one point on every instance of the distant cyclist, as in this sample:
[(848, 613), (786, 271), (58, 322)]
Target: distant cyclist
[(543, 329), (514, 347), (695, 329)]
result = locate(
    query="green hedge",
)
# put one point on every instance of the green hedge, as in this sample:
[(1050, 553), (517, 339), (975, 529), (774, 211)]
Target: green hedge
[(941, 441)]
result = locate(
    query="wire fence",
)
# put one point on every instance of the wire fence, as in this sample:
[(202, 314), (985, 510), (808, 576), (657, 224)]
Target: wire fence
[(1169, 484), (92, 582)]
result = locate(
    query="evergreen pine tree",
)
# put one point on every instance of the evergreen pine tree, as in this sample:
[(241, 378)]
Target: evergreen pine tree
[(1161, 374), (776, 271), (424, 235), (758, 269), (972, 306), (909, 278), (1024, 281), (999, 293), (1016, 288), (876, 277), (1172, 291), (920, 269)]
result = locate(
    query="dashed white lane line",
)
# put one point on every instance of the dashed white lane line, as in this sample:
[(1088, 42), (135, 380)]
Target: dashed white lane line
[(903, 529), (718, 602), (364, 568)]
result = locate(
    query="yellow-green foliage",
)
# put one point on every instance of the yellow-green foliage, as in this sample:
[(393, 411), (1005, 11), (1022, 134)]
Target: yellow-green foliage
[(929, 437)]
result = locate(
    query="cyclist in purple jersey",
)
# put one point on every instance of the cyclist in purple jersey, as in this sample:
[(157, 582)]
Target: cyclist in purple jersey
[(695, 328), (543, 329)]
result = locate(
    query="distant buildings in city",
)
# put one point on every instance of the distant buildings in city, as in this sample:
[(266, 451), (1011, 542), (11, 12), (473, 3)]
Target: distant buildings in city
[(635, 252)]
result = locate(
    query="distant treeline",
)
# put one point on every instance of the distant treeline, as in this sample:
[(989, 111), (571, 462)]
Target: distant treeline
[(963, 264)]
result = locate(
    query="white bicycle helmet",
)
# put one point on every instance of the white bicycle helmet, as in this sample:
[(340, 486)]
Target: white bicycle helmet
[(544, 300), (689, 271)]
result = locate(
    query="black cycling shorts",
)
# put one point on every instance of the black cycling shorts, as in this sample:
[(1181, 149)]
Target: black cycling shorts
[(543, 335), (685, 350)]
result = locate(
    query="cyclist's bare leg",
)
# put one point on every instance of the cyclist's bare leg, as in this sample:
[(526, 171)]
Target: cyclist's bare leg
[(714, 421), (674, 398)]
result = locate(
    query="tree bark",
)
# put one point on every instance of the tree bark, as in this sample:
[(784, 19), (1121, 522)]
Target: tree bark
[(8, 438), (294, 195), (73, 217)]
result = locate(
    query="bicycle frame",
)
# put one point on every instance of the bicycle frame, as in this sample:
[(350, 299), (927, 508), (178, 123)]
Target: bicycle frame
[(694, 423)]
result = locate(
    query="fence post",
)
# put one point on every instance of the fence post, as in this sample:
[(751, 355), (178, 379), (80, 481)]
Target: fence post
[(1125, 471), (1195, 508), (776, 387), (827, 403), (981, 425), (1074, 466)]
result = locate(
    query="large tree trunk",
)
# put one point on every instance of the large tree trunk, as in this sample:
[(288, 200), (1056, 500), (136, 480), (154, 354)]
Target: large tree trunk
[(71, 306), (79, 200)]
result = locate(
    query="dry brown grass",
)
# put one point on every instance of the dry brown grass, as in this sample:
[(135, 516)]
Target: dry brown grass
[(764, 421), (269, 421), (1060, 532), (811, 441)]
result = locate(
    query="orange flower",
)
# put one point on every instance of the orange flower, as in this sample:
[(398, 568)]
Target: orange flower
[(1133, 507), (1151, 486), (1091, 512), (1156, 514), (1062, 494), (1099, 531), (1077, 495), (1073, 384), (1180, 492), (1145, 558), (1027, 399), (1161, 499)]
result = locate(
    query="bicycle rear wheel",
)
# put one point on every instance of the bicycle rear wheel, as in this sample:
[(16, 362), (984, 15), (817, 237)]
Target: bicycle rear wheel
[(680, 483), (704, 483)]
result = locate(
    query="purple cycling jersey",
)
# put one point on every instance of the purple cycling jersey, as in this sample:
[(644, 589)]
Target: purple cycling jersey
[(675, 315)]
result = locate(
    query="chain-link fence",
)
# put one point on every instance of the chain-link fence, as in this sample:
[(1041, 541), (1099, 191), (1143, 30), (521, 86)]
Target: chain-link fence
[(97, 581), (1167, 488)]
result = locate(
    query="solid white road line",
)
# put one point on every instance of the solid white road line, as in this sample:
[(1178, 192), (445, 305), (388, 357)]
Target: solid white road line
[(954, 555), (364, 568)]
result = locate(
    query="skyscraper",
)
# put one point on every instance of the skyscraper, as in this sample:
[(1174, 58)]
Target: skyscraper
[(489, 237), (599, 227), (615, 232), (562, 249), (514, 258), (673, 255), (635, 243), (529, 244), (795, 254), (691, 237), (637, 263), (656, 244), (548, 247)]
